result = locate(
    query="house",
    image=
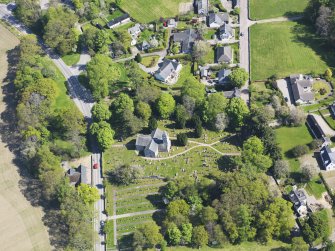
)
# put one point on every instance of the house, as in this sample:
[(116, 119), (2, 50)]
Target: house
[(316, 130), (302, 88), (328, 158), (135, 30), (78, 175), (224, 54), (215, 20), (201, 7), (299, 200), (332, 110), (125, 18), (151, 145), (225, 32), (186, 39), (235, 93), (223, 76), (144, 46), (172, 23), (203, 71), (168, 71)]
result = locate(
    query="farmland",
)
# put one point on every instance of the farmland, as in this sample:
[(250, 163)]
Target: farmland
[(146, 11), (286, 48), (263, 9), (21, 223)]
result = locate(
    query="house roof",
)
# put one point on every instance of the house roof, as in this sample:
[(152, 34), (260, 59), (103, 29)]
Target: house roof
[(226, 29), (314, 127), (172, 21), (301, 87), (152, 146), (186, 38), (202, 4), (143, 140), (83, 174), (327, 156), (218, 18), (118, 20), (223, 74), (135, 29), (298, 197), (167, 68), (224, 54), (235, 93), (74, 176)]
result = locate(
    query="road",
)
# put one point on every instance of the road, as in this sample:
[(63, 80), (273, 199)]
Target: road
[(84, 101)]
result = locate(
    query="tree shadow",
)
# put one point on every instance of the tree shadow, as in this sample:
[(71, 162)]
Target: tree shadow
[(304, 33), (29, 186)]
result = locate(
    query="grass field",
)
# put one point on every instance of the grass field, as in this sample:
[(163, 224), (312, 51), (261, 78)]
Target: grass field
[(289, 137), (150, 61), (21, 222), (284, 48), (71, 59), (316, 187), (146, 11), (263, 9)]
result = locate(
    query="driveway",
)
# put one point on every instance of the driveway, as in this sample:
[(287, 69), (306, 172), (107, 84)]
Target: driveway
[(284, 87), (324, 126)]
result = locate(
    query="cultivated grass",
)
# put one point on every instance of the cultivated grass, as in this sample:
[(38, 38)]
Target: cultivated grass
[(316, 187), (318, 86), (150, 61), (71, 59), (263, 9), (284, 48), (146, 11)]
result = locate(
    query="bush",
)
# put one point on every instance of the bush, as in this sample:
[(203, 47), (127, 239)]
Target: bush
[(315, 144), (299, 150), (182, 139), (138, 58), (198, 130), (152, 125)]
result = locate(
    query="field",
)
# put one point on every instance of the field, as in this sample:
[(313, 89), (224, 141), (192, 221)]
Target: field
[(71, 59), (263, 9), (286, 48), (146, 11), (150, 61), (21, 223), (289, 137)]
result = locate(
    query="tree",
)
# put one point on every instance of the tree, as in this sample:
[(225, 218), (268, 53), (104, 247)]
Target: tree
[(182, 139), (198, 130), (193, 89), (328, 73), (95, 40), (121, 103), (126, 174), (309, 171), (323, 24), (59, 31), (102, 72), (189, 103), (175, 48), (221, 121), (298, 244), (173, 234), (299, 150), (316, 226), (199, 236), (150, 235), (297, 117), (244, 224), (214, 105), (176, 208), (237, 111), (238, 77), (153, 124), (143, 110), (200, 51), (186, 233), (208, 214), (138, 58), (281, 169), (88, 194), (101, 112), (28, 11), (181, 116), (103, 133), (315, 144), (165, 105)]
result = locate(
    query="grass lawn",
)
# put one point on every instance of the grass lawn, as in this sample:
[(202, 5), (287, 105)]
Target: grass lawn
[(284, 48), (321, 104), (150, 61), (209, 34), (71, 59), (320, 86), (316, 187), (209, 58), (184, 74), (289, 137), (263, 9), (115, 14), (260, 95), (146, 11)]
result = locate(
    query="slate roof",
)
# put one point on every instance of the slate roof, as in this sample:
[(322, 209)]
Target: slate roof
[(152, 146), (226, 29), (327, 156), (223, 75), (314, 127), (143, 140), (135, 29), (224, 54), (301, 86), (202, 4), (235, 93), (167, 68), (218, 18), (298, 198), (83, 174), (186, 39), (118, 20), (157, 134)]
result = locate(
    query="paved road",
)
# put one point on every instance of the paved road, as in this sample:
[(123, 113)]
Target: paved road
[(83, 100)]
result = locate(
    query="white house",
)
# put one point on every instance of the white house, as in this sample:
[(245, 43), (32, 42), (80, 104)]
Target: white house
[(328, 158), (299, 200), (168, 71), (302, 88), (125, 18)]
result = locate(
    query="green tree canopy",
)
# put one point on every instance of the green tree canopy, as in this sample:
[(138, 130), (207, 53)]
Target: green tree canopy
[(143, 110), (237, 111), (101, 112), (173, 234), (194, 89), (104, 134), (215, 104), (238, 77), (88, 194), (121, 103), (166, 105), (199, 236)]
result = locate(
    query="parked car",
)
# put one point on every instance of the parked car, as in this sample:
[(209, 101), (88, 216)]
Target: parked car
[(95, 166)]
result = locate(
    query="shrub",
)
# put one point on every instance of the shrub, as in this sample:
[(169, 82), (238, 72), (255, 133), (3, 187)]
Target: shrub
[(315, 144), (182, 139), (138, 58), (198, 130), (299, 150)]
